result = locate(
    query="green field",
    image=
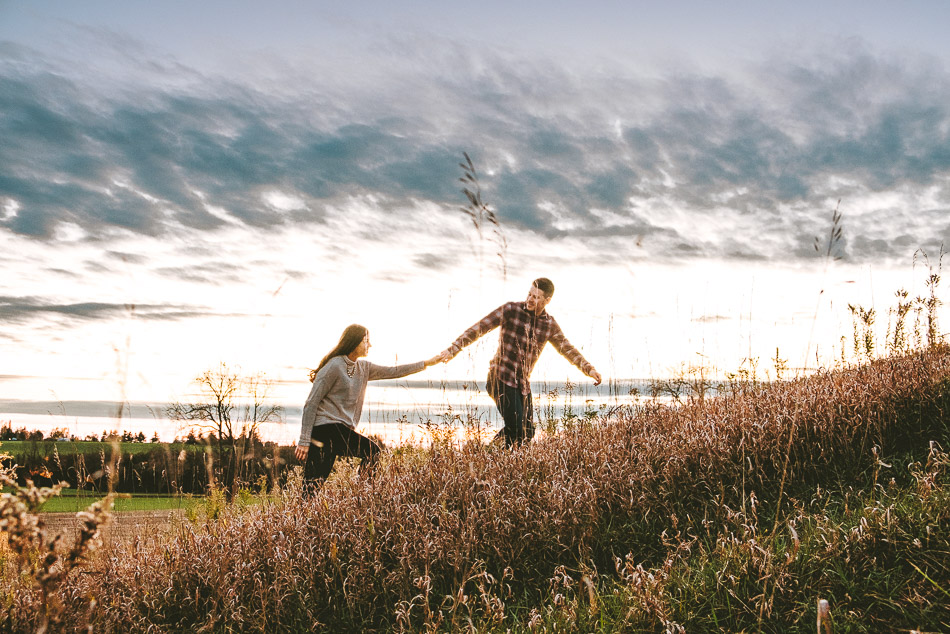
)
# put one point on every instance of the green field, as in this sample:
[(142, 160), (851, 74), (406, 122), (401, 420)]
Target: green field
[(72, 501)]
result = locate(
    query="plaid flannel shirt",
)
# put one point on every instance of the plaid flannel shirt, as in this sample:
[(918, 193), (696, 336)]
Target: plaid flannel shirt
[(523, 335)]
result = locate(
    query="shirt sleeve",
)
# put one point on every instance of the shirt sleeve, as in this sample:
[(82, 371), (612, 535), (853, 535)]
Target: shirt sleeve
[(488, 323), (376, 372), (322, 384), (568, 351)]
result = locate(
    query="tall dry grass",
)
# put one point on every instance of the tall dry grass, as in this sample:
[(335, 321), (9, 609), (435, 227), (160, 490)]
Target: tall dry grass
[(36, 563), (478, 537)]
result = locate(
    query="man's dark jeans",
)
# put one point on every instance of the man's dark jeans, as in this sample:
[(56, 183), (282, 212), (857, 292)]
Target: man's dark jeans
[(516, 409)]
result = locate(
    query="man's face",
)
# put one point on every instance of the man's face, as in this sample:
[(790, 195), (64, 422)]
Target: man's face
[(537, 300)]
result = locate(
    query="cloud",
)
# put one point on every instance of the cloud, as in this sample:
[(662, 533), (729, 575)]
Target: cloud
[(753, 156), (215, 273), (130, 258), (710, 319), (433, 261), (22, 309)]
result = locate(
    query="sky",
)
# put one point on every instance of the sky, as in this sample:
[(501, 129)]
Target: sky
[(185, 184)]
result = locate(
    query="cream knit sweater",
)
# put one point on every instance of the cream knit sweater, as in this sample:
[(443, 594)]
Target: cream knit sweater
[(337, 397)]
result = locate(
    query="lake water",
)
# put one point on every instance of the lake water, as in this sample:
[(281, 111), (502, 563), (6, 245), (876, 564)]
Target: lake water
[(397, 411)]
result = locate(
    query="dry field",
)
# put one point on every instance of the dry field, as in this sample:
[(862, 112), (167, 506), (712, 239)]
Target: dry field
[(733, 513), (124, 525)]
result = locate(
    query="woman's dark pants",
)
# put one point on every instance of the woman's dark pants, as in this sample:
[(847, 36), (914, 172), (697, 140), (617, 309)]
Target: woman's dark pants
[(329, 441)]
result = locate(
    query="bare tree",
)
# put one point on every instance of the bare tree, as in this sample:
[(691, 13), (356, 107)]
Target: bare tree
[(232, 409)]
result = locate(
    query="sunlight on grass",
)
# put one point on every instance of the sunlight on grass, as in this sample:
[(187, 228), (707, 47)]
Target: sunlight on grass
[(72, 502), (658, 517)]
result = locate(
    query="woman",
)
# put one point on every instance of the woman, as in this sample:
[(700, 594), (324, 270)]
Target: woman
[(333, 408)]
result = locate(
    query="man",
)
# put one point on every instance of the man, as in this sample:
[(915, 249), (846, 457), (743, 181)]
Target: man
[(525, 328)]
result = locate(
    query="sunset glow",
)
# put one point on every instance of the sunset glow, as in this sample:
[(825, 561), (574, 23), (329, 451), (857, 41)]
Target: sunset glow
[(173, 198)]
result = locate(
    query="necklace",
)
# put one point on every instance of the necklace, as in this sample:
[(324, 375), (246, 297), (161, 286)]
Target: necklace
[(350, 368)]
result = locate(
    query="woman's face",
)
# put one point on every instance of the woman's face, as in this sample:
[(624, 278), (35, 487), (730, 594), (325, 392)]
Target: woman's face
[(363, 349)]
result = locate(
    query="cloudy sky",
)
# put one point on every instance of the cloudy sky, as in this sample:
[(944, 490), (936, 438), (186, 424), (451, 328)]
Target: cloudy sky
[(183, 184)]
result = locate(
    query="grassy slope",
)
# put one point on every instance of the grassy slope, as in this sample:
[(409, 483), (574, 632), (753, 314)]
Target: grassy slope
[(734, 514)]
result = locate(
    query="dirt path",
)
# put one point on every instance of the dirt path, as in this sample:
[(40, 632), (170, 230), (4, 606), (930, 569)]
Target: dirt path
[(123, 524)]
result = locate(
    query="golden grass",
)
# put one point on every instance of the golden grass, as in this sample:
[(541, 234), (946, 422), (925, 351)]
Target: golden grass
[(474, 536)]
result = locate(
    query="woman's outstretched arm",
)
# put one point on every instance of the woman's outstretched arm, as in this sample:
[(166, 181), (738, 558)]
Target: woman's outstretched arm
[(377, 372)]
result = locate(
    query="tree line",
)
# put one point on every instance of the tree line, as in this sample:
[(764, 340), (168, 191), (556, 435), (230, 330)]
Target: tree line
[(223, 448)]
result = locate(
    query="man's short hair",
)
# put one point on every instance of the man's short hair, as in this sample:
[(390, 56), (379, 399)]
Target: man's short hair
[(545, 285)]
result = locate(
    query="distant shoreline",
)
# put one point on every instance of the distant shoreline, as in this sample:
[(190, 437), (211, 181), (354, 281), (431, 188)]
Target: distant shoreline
[(391, 408)]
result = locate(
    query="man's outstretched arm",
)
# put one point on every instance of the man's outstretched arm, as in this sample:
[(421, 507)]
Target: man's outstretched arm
[(572, 354), (488, 323)]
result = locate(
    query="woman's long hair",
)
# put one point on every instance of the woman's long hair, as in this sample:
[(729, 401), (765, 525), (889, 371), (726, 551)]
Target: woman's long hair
[(351, 338)]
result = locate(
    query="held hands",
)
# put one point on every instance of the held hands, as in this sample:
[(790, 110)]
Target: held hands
[(436, 359), (443, 357)]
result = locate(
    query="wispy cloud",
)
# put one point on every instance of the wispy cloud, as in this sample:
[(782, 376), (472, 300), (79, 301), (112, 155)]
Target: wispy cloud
[(22, 309), (742, 165)]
